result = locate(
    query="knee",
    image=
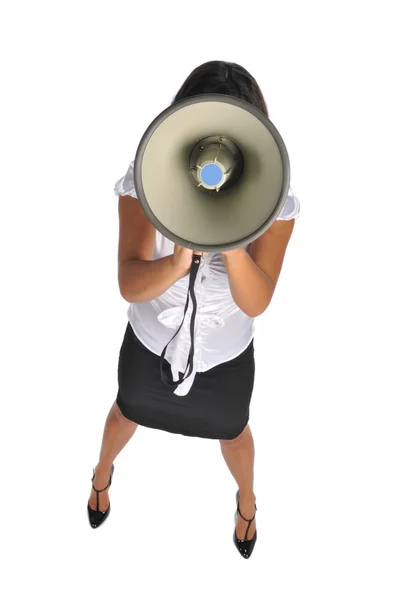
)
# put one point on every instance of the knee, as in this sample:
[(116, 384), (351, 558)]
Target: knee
[(119, 415), (236, 441), (117, 412)]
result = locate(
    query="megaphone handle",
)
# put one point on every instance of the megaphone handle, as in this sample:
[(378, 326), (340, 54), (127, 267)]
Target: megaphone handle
[(196, 258)]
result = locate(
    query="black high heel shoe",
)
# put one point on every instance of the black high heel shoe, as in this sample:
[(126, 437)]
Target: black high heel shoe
[(244, 546), (96, 517)]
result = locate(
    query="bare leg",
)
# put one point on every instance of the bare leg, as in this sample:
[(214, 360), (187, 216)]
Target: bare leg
[(117, 432), (239, 456)]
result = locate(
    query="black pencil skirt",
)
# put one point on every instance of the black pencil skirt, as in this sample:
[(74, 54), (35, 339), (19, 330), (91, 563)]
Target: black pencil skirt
[(216, 406)]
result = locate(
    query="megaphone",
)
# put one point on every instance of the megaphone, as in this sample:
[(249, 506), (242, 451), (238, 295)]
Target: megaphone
[(212, 172)]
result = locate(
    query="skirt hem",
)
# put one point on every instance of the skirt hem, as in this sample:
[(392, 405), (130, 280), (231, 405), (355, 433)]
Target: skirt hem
[(147, 422)]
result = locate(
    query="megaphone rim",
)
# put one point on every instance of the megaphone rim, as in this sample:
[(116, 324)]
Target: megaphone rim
[(200, 98)]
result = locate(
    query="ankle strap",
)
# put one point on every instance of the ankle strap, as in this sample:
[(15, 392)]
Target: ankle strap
[(103, 489), (244, 518), (109, 482)]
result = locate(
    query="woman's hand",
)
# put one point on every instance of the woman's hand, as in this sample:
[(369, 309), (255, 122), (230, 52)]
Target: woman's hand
[(182, 258)]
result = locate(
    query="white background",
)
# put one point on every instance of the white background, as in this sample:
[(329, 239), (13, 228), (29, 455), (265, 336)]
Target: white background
[(82, 81)]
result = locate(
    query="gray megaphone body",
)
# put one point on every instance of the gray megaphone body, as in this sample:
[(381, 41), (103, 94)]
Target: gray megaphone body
[(212, 174)]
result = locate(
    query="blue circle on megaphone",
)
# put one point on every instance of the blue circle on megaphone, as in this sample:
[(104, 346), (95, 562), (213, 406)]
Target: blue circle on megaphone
[(211, 174)]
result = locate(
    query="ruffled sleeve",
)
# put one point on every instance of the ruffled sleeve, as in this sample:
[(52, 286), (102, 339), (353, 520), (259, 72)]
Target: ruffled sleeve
[(125, 185), (291, 208)]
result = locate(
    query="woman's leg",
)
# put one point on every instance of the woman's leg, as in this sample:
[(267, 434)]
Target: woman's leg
[(239, 456), (117, 432)]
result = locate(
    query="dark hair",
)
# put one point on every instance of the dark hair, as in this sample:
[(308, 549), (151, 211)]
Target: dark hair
[(220, 77)]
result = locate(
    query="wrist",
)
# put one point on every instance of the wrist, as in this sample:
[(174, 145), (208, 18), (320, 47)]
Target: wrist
[(177, 269), (232, 253)]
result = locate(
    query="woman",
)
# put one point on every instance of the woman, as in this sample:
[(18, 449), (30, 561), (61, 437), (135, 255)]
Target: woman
[(232, 288)]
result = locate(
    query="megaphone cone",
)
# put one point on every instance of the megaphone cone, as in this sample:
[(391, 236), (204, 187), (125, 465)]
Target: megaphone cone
[(212, 172)]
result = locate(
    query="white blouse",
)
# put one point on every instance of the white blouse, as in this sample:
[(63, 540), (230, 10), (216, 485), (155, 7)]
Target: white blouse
[(222, 329)]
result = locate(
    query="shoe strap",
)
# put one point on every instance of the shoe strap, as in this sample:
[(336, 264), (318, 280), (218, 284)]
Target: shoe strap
[(109, 483), (249, 521), (98, 491), (244, 518)]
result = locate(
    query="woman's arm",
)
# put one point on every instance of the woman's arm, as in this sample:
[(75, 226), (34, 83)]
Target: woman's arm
[(140, 278), (253, 275), (144, 280)]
